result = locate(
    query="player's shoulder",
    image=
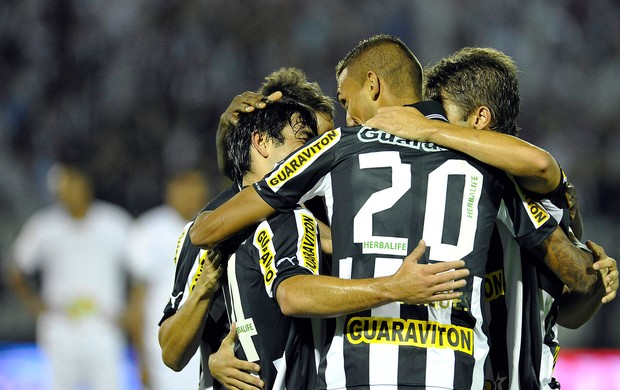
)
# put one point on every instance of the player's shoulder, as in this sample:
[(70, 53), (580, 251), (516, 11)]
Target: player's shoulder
[(185, 251), (222, 197), (41, 219), (288, 221)]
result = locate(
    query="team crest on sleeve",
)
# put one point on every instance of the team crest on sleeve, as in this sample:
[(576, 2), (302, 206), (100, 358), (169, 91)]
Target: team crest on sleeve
[(263, 241), (308, 249), (298, 162)]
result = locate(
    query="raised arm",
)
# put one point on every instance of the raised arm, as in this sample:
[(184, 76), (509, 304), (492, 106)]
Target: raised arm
[(241, 211), (534, 168), (246, 102), (413, 283), (180, 334)]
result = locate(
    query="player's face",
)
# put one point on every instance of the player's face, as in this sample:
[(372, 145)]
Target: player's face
[(352, 97), (187, 194), (294, 138), (455, 113), (71, 188)]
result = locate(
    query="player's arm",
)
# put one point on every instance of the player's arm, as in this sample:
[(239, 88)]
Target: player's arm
[(534, 168), (573, 266), (231, 372), (133, 322), (246, 102), (576, 223), (413, 283), (241, 211), (576, 309), (180, 334), (24, 289)]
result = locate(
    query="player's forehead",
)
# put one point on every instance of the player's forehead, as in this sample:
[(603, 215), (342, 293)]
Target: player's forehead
[(296, 130)]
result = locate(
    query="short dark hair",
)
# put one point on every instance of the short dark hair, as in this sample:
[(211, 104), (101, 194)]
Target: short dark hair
[(270, 121), (77, 154), (390, 58), (293, 84), (474, 77)]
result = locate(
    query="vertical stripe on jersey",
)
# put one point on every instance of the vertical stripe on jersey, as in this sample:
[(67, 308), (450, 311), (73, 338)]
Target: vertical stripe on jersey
[(383, 358), (335, 376), (481, 342), (322, 188), (548, 357), (514, 296), (236, 315), (440, 358), (436, 206), (189, 286)]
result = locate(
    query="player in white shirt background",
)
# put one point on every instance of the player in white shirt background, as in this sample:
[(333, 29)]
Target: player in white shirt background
[(76, 247), (150, 254)]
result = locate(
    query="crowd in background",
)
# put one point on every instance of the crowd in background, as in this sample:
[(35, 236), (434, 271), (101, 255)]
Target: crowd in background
[(147, 80)]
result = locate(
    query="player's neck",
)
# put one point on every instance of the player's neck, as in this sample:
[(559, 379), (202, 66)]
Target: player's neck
[(392, 101)]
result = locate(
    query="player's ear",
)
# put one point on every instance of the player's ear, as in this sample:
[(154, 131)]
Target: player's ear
[(482, 118), (259, 143), (373, 85)]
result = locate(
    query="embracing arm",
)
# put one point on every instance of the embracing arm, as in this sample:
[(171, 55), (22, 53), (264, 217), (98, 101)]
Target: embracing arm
[(576, 309), (180, 334), (231, 372), (413, 283), (534, 168), (241, 211), (570, 264)]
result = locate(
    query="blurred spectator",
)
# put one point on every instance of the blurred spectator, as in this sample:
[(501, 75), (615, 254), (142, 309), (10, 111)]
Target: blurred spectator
[(76, 248), (150, 252)]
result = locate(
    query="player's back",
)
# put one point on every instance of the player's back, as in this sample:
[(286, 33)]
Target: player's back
[(389, 193), (384, 194)]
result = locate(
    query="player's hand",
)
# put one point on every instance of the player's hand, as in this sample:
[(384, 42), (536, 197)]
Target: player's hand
[(145, 376), (246, 102), (401, 121), (576, 222), (209, 280), (424, 283), (230, 371), (608, 269)]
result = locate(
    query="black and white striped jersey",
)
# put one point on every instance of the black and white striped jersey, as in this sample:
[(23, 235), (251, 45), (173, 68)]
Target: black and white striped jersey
[(384, 194), (521, 291), (189, 260), (283, 246)]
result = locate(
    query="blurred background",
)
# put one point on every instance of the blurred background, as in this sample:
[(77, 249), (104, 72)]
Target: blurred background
[(148, 80)]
